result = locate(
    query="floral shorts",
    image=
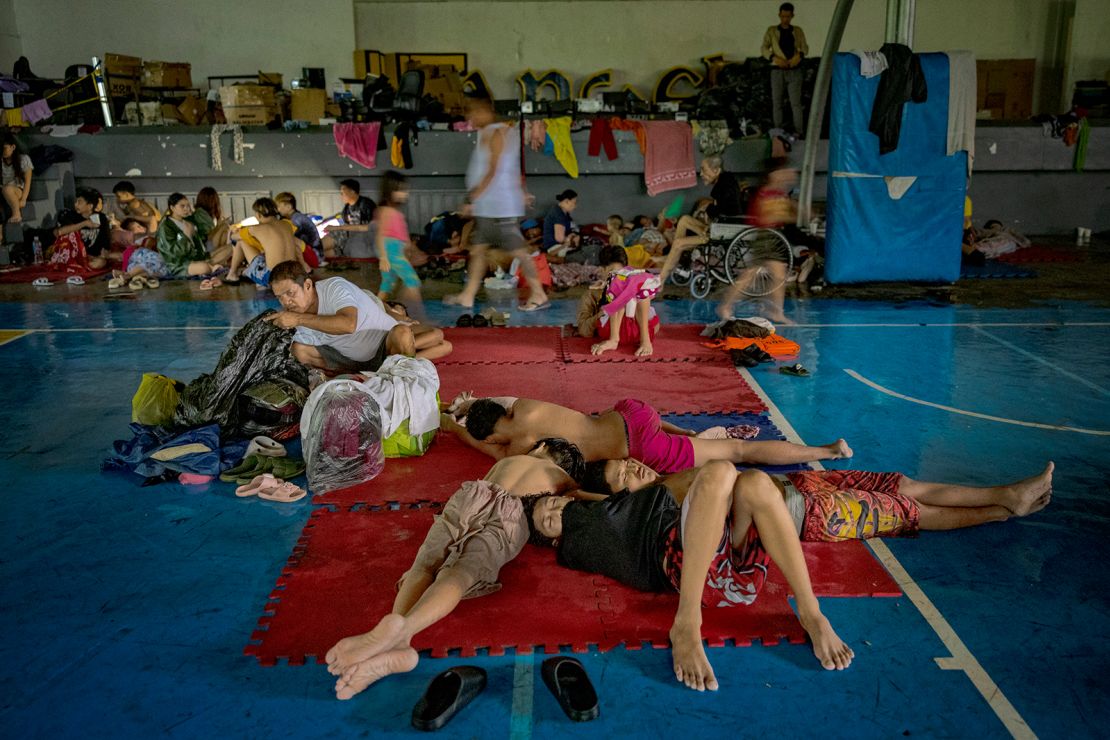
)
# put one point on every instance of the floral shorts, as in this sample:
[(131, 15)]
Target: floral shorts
[(854, 505), (736, 576)]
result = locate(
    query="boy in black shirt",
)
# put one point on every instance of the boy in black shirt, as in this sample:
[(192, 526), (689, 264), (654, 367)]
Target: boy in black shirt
[(352, 237), (712, 545)]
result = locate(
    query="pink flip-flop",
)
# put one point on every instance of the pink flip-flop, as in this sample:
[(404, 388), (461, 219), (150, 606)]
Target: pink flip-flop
[(285, 493), (256, 486)]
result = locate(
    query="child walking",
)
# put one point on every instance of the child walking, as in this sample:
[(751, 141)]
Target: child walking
[(392, 238)]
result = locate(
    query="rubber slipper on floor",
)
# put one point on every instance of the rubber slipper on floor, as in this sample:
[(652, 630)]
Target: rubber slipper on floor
[(446, 695), (568, 682), (346, 565)]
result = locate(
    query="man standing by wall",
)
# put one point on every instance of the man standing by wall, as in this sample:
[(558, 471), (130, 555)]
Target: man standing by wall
[(785, 45)]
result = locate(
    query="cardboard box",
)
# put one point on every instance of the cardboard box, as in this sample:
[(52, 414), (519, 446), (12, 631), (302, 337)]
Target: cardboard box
[(167, 74), (170, 113), (192, 111), (123, 75), (1005, 88), (249, 105), (270, 78), (308, 105), (444, 84), (143, 114)]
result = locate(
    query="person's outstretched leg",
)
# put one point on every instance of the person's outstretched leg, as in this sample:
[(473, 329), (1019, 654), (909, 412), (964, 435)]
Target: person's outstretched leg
[(680, 245), (708, 500), (13, 195), (757, 501), (771, 452), (1018, 498)]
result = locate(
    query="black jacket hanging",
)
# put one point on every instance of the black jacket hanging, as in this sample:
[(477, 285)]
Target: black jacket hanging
[(901, 81)]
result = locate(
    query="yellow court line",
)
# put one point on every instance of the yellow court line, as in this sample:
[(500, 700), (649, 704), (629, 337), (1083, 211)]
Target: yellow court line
[(10, 335), (961, 657)]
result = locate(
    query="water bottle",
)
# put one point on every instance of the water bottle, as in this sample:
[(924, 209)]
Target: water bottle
[(36, 246)]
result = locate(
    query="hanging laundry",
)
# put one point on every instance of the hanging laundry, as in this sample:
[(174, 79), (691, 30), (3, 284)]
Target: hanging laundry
[(358, 142), (669, 161), (961, 104), (400, 153), (236, 145), (601, 137), (621, 124), (558, 130), (13, 118), (901, 82), (871, 63), (713, 137), (36, 111)]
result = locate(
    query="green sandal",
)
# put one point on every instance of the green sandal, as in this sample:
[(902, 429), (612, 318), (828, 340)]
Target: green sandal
[(797, 370)]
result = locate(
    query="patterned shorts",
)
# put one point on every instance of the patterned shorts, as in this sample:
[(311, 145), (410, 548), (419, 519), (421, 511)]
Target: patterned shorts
[(736, 576), (257, 271), (854, 505), (149, 260)]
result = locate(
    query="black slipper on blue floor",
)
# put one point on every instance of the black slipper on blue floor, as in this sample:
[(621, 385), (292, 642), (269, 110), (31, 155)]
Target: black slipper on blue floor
[(566, 678), (448, 692)]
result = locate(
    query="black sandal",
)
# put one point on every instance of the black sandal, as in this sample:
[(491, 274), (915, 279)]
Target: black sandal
[(448, 693), (479, 321), (566, 678), (464, 321)]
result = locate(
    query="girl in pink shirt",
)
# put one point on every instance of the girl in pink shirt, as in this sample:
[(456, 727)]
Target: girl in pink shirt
[(393, 237)]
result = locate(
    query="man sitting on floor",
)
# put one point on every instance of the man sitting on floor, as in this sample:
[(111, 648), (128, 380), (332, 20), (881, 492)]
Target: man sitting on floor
[(510, 426), (482, 527), (712, 544), (838, 505), (339, 327), (264, 246)]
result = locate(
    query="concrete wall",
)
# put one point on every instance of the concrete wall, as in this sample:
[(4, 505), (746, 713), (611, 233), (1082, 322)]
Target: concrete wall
[(1027, 181), (215, 36), (11, 44), (1090, 51)]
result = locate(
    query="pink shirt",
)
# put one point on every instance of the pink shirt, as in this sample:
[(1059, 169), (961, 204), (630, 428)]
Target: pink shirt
[(392, 224)]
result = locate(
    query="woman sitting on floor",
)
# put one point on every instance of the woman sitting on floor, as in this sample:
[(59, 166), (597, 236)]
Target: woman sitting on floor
[(212, 227), (83, 237), (179, 252)]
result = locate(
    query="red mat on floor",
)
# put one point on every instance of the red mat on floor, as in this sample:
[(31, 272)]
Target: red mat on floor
[(29, 273), (503, 345), (1041, 253), (671, 387), (542, 381), (432, 477), (673, 343), (341, 579)]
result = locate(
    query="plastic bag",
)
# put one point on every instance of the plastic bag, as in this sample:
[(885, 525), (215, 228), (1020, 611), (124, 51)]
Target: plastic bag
[(272, 408), (259, 351), (155, 401), (341, 436)]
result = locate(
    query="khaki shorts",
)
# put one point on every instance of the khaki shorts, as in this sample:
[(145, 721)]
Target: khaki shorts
[(498, 233), (481, 528)]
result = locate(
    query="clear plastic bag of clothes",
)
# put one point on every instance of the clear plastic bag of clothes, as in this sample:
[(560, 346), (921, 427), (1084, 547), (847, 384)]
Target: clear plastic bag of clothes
[(341, 436)]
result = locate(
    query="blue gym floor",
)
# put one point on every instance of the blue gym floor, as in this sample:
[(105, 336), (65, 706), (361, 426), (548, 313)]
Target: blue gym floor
[(125, 609)]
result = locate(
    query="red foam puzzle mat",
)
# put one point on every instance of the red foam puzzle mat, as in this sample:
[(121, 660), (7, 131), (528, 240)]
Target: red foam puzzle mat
[(501, 345), (341, 579), (671, 387), (1041, 253), (673, 343), (433, 476), (542, 381)]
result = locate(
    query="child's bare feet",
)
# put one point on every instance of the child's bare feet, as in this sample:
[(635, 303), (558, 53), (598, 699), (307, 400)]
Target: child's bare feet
[(351, 650), (827, 645), (840, 450), (645, 350), (1023, 497), (602, 347), (691, 666), (360, 675)]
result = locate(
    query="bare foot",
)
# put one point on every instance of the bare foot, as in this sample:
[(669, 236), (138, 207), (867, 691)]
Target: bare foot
[(1039, 504), (456, 299), (827, 645), (603, 347), (1021, 497), (724, 313), (691, 666), (645, 350), (780, 319), (360, 675), (351, 650), (16, 218), (840, 450)]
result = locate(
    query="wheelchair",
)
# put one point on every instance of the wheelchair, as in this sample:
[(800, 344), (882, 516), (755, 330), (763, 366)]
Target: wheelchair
[(759, 258)]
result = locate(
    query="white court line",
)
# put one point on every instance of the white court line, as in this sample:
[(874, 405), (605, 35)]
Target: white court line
[(520, 719), (975, 414), (1043, 361), (961, 658)]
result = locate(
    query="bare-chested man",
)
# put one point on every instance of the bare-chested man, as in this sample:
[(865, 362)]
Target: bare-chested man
[(482, 527), (510, 426), (838, 505), (265, 245)]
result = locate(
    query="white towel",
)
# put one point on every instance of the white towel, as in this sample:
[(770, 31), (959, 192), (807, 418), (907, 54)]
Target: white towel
[(961, 104), (871, 63), (405, 388)]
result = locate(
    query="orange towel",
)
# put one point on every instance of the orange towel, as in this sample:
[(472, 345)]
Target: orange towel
[(623, 124), (772, 344)]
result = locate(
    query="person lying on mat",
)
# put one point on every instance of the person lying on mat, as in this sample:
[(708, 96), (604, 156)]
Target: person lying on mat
[(482, 527), (510, 426), (340, 328), (838, 505), (712, 543)]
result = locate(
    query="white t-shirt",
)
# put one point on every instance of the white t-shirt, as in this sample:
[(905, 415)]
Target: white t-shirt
[(370, 331), (7, 172)]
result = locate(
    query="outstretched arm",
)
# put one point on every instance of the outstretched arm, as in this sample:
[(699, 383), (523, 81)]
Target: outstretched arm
[(496, 451)]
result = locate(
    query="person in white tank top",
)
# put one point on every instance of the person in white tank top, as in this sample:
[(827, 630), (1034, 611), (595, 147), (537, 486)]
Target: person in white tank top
[(495, 197)]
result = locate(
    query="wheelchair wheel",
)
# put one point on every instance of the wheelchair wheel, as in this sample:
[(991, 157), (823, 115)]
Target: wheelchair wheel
[(700, 285), (759, 260), (682, 273)]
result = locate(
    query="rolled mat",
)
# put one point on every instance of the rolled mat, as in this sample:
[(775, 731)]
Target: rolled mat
[(342, 578)]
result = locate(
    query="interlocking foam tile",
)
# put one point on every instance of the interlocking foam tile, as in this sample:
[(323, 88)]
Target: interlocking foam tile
[(1042, 253), (341, 579), (673, 343), (503, 345), (542, 381), (671, 387), (434, 476), (994, 269)]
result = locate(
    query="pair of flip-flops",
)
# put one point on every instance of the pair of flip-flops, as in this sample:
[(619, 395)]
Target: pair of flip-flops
[(269, 488), (487, 317), (136, 283), (264, 446), (256, 465), (44, 282), (452, 690), (210, 283), (530, 306)]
